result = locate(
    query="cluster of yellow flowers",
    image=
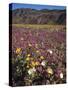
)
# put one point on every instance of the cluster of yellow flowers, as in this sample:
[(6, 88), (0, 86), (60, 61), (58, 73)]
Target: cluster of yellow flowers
[(18, 50), (41, 57), (49, 70), (33, 63)]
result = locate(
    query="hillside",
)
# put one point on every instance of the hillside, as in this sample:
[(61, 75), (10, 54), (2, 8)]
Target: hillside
[(32, 16)]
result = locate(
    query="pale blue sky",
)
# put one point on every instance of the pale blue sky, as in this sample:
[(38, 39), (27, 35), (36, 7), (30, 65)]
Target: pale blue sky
[(38, 7)]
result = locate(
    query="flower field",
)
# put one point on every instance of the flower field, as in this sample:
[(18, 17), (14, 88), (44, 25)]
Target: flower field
[(38, 55)]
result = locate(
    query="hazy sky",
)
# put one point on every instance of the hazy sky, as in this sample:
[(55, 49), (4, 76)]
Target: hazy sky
[(34, 6)]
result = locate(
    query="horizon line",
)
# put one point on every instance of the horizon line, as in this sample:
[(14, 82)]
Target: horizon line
[(14, 6)]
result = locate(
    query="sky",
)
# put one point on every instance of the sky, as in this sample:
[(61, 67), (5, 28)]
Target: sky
[(34, 6)]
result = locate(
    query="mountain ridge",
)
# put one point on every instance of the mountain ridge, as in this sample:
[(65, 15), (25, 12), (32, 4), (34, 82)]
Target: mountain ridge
[(43, 16)]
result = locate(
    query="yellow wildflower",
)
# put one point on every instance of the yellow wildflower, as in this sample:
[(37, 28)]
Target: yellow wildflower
[(41, 57), (33, 64), (18, 50), (37, 63), (28, 55), (49, 70), (37, 51), (27, 59)]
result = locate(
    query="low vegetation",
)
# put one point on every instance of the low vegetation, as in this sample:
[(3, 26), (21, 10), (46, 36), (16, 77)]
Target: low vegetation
[(38, 54)]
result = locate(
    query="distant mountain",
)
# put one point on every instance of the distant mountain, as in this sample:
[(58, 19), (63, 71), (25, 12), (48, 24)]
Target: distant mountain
[(32, 16)]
